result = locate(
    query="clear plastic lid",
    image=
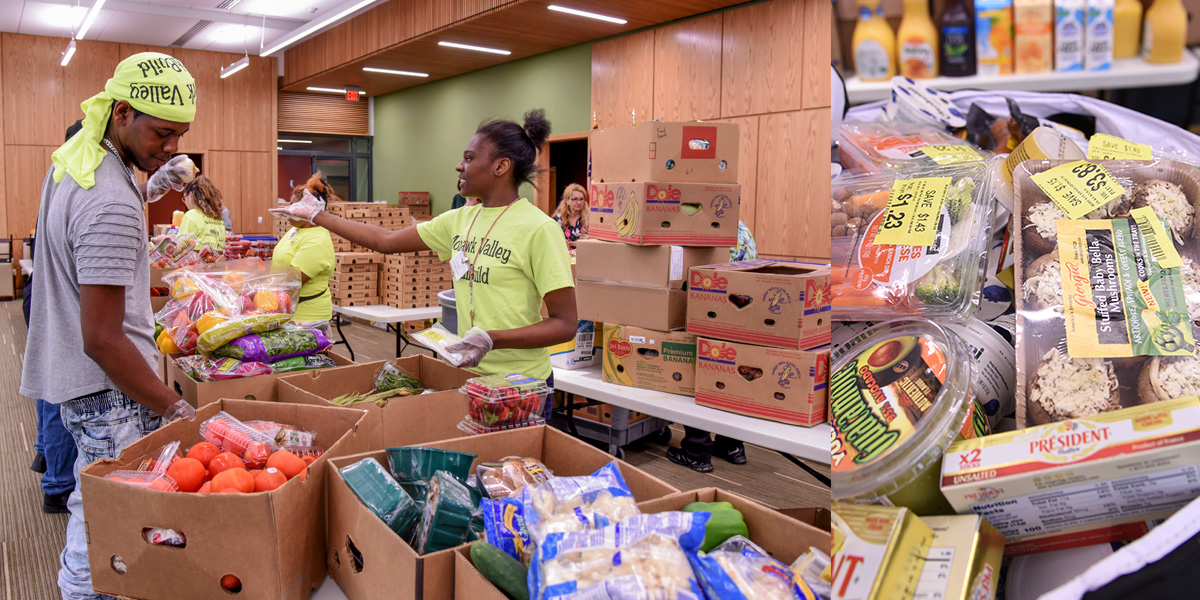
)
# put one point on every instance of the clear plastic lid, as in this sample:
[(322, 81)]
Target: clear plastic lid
[(496, 388), (473, 427), (152, 480), (880, 148), (899, 393), (874, 282)]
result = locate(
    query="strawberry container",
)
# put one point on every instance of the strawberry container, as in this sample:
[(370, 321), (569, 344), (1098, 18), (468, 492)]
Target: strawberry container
[(504, 400)]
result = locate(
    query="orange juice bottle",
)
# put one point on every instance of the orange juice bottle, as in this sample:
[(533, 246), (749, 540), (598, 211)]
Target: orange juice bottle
[(917, 41), (874, 43), (1034, 44), (994, 36), (1166, 30), (1127, 28)]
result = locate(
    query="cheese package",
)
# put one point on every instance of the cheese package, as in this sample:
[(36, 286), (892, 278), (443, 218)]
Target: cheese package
[(1082, 481), (878, 552), (964, 560)]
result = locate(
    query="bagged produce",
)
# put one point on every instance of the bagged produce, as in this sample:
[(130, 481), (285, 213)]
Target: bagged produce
[(740, 570), (302, 363), (278, 344), (565, 504), (391, 377), (207, 368), (506, 478)]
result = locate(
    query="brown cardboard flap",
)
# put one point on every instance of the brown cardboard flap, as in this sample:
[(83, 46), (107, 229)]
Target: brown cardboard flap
[(469, 583), (651, 308), (650, 266), (262, 387)]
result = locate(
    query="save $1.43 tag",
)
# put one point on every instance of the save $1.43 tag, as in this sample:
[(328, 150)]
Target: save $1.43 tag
[(1078, 188), (913, 210)]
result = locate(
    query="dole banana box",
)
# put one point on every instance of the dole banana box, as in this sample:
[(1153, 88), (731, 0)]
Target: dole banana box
[(765, 302), (655, 212), (1079, 482), (665, 151), (789, 386), (878, 552), (653, 360)]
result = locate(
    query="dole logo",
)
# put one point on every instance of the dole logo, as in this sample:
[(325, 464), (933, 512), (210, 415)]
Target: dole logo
[(720, 204), (620, 348), (709, 351), (709, 282), (816, 293), (602, 199), (657, 194), (822, 372)]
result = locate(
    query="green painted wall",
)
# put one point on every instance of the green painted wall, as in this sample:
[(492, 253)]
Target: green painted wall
[(420, 132)]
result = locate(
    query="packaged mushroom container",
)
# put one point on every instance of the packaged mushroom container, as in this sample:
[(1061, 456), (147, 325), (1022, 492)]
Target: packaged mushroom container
[(1108, 305), (936, 275)]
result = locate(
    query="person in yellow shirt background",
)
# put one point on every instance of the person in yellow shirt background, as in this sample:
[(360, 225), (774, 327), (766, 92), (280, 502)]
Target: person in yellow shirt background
[(203, 218), (309, 249)]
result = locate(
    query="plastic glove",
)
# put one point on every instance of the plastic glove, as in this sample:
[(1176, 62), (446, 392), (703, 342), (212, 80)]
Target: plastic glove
[(175, 175), (305, 210), (476, 343), (179, 410)]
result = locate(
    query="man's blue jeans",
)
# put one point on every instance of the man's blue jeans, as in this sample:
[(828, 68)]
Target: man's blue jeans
[(54, 443)]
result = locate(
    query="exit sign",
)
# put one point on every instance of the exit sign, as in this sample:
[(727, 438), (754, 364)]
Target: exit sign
[(353, 93)]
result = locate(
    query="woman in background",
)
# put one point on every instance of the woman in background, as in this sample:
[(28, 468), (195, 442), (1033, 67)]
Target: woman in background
[(572, 213), (309, 249), (203, 218)]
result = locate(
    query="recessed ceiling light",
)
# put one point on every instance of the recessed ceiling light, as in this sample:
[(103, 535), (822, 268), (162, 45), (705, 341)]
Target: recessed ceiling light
[(293, 141), (327, 90), (394, 72), (584, 13), (475, 48)]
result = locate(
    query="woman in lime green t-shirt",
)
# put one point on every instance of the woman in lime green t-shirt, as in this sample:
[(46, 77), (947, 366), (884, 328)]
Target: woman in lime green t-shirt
[(203, 218), (309, 249), (508, 256)]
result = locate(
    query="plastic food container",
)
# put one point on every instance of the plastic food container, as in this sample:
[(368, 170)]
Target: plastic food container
[(446, 518), (231, 435), (470, 426), (500, 400), (880, 148), (1047, 370), (376, 488), (418, 463), (899, 395), (880, 281), (995, 368), (153, 480)]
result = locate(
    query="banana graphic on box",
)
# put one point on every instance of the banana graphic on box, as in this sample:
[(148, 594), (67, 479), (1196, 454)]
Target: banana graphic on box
[(627, 222)]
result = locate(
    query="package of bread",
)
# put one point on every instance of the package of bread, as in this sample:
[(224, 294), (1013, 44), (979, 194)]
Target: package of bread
[(505, 478)]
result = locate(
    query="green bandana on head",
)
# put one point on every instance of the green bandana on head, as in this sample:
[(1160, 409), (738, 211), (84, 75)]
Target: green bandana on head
[(153, 83)]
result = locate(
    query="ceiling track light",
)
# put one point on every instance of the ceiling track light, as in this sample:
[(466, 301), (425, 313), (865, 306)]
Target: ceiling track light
[(327, 90), (584, 13), (395, 72), (89, 19), (475, 48), (68, 53), (241, 63), (307, 31)]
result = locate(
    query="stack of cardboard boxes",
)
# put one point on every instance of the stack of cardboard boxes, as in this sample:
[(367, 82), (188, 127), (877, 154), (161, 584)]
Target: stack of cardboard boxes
[(355, 279), (664, 197), (417, 204), (413, 280), (375, 213)]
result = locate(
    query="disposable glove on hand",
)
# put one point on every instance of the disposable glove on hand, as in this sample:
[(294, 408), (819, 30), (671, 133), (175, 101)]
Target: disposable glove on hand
[(305, 210), (179, 410), (476, 343), (175, 175)]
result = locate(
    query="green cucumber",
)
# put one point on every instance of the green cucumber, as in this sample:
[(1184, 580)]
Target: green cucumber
[(504, 571)]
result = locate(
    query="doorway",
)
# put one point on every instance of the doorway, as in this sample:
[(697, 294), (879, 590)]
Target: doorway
[(344, 160)]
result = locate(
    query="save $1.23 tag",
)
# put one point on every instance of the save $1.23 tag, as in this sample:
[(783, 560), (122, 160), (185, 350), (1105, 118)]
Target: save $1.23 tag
[(1078, 188)]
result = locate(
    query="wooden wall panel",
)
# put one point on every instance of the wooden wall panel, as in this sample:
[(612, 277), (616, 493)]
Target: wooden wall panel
[(687, 70), (818, 33), (226, 170), (762, 62), (258, 192), (207, 131), (85, 76), (623, 79), (24, 192), (793, 188), (748, 132), (33, 90), (323, 113), (249, 102)]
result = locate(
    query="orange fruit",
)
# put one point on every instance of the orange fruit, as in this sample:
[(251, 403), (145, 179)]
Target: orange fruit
[(231, 490), (203, 452), (269, 479), (308, 460), (255, 473), (231, 583), (225, 461), (233, 478), (304, 474), (188, 473), (256, 455), (289, 464), (206, 488)]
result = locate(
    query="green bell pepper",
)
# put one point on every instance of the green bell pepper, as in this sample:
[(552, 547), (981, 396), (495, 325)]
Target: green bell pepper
[(725, 522)]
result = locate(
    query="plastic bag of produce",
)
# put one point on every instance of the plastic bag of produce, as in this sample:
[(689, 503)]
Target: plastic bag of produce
[(237, 327), (438, 338), (646, 556), (303, 363), (740, 570), (270, 346), (564, 504), (391, 377), (207, 368)]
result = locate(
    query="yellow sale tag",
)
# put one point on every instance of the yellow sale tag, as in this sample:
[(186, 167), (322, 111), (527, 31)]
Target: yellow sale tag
[(1107, 147), (1157, 238), (912, 213), (1078, 188), (951, 154)]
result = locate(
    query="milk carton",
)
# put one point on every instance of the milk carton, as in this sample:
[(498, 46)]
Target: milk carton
[(1069, 16), (1098, 39)]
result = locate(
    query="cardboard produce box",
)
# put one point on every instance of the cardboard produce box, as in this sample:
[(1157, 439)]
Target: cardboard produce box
[(262, 387), (414, 198), (651, 308), (652, 360), (656, 212), (766, 302), (385, 566), (439, 412), (789, 386), (650, 266), (272, 541), (665, 151), (581, 351)]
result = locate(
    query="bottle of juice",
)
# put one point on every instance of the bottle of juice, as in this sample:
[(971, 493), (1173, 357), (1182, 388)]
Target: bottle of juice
[(874, 43), (1127, 28), (917, 41), (1166, 29), (1068, 35), (994, 36), (956, 27), (1034, 45), (1098, 36)]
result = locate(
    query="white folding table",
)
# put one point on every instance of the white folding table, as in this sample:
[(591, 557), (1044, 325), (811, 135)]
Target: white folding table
[(380, 313)]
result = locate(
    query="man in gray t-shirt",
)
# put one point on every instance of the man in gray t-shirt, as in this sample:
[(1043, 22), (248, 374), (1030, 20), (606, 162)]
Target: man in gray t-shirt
[(91, 347)]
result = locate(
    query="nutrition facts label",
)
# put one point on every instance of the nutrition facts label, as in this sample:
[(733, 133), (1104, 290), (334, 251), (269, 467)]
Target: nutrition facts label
[(1093, 502), (935, 577)]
